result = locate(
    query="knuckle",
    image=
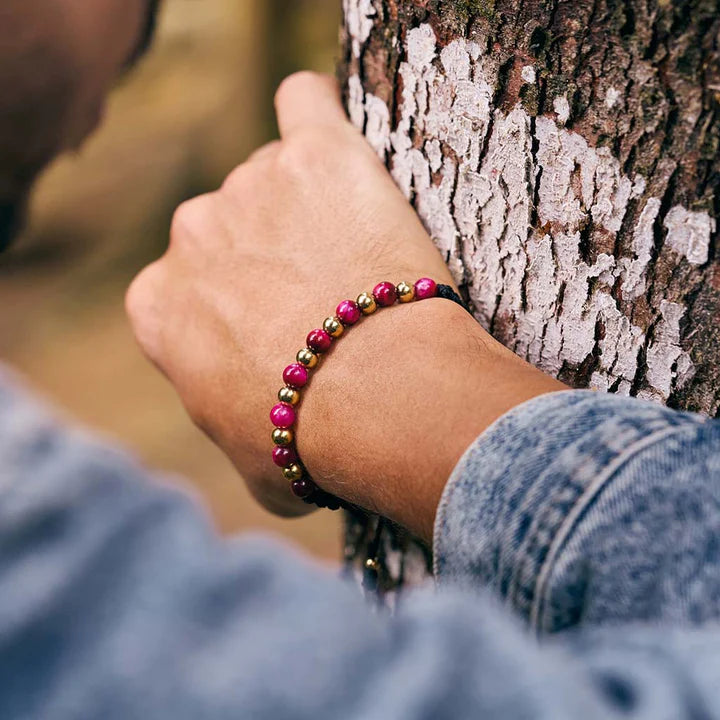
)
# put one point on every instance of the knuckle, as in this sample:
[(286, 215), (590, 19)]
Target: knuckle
[(202, 418), (138, 292), (189, 219), (238, 179), (141, 307)]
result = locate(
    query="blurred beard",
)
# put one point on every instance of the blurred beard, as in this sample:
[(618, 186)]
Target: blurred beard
[(148, 31), (26, 168)]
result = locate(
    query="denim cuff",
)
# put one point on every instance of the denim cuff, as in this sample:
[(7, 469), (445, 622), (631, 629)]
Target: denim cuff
[(525, 487)]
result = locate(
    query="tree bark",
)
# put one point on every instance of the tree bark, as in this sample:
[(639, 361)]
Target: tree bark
[(564, 157)]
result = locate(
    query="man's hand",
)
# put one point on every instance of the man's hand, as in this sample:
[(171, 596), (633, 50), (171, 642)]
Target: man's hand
[(308, 221)]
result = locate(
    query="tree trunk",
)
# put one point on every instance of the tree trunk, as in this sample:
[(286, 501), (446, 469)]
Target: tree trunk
[(564, 157)]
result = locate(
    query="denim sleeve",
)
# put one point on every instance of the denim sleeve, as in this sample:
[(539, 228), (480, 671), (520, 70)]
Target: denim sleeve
[(118, 601), (592, 509)]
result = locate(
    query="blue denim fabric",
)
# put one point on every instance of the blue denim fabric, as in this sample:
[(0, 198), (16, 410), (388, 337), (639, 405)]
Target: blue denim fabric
[(583, 507), (118, 600)]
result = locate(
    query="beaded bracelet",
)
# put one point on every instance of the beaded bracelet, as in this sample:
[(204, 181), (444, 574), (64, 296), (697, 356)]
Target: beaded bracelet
[(296, 376)]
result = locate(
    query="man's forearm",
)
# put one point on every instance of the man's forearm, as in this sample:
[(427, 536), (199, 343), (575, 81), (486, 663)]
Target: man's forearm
[(393, 409)]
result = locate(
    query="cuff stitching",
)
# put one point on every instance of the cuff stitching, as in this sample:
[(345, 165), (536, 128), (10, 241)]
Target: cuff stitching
[(572, 519)]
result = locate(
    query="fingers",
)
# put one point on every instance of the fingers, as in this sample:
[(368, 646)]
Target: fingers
[(156, 302), (308, 99), (145, 311)]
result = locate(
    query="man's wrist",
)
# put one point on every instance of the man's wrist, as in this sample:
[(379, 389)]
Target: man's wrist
[(396, 404)]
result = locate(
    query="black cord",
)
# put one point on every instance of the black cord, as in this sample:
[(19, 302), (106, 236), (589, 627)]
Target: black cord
[(325, 500), (447, 293)]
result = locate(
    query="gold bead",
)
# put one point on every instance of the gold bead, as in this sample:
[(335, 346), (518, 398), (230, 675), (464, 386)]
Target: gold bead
[(293, 472), (289, 395), (307, 358), (406, 292), (333, 327), (367, 303), (281, 436), (372, 564)]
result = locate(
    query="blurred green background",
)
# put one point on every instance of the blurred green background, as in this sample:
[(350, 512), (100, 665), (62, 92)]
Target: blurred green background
[(195, 108)]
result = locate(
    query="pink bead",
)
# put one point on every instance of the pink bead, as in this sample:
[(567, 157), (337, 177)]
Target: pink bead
[(282, 415), (425, 288), (319, 341), (295, 375), (348, 312), (385, 294), (284, 456)]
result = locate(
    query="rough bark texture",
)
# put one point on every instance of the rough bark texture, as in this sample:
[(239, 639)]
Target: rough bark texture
[(565, 158)]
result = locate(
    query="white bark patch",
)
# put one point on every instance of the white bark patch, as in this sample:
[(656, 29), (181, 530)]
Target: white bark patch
[(611, 97), (633, 271), (665, 356), (356, 102), (476, 181), (561, 106), (421, 43), (688, 233), (578, 179), (639, 185), (528, 74), (359, 19), (492, 210), (377, 127)]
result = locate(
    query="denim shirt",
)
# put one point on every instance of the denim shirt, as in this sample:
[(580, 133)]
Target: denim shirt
[(577, 575)]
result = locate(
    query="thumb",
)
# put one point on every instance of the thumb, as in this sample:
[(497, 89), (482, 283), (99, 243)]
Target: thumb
[(308, 99)]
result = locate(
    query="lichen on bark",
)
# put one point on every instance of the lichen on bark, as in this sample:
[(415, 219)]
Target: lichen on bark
[(564, 158)]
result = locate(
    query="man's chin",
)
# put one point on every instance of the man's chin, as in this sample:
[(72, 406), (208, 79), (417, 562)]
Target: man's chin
[(12, 216)]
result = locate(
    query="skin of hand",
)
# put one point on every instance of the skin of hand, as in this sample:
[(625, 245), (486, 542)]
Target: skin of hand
[(306, 222)]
